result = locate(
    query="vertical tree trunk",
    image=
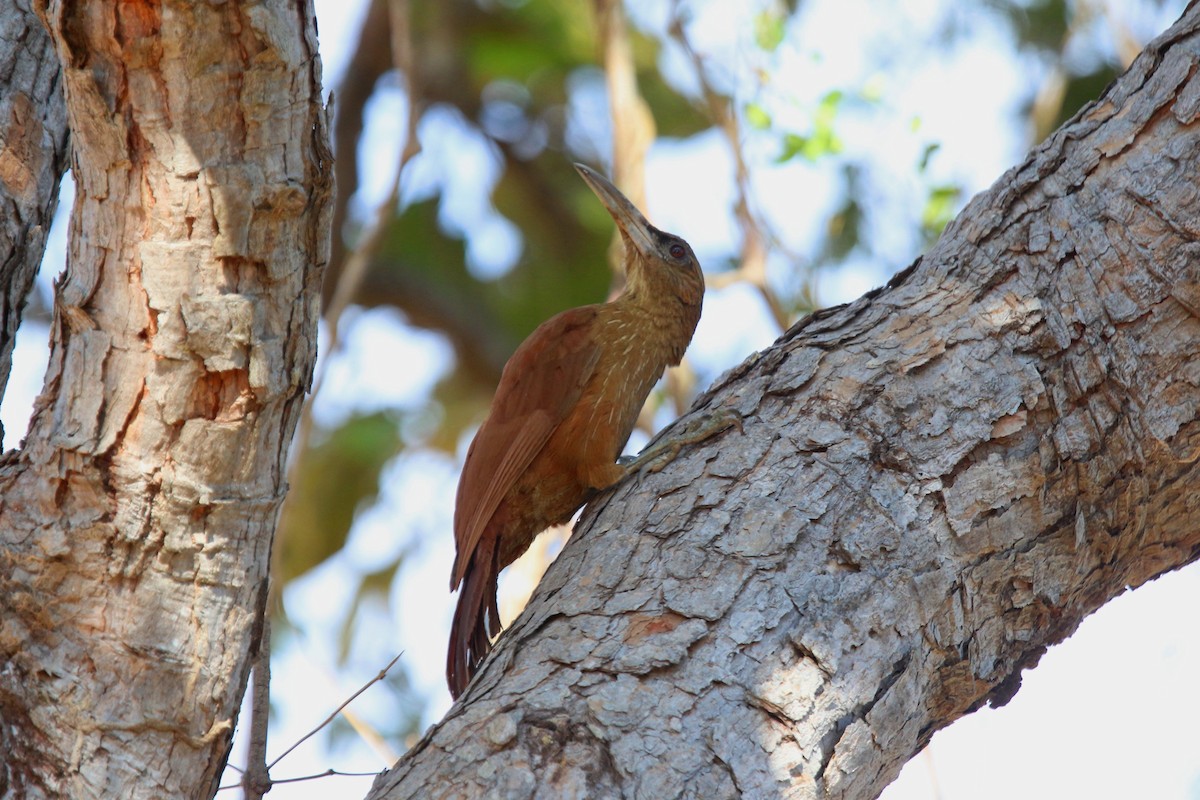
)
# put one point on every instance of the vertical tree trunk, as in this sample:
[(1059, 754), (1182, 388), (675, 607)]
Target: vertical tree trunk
[(136, 523)]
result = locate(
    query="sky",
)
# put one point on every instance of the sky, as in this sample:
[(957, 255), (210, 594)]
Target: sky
[(1111, 713)]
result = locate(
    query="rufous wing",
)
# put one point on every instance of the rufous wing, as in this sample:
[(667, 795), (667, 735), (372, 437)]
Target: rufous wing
[(540, 385)]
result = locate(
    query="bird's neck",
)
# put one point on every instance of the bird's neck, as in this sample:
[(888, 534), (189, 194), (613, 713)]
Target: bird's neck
[(663, 319)]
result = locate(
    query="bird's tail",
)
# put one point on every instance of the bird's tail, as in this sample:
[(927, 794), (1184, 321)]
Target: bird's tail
[(476, 618)]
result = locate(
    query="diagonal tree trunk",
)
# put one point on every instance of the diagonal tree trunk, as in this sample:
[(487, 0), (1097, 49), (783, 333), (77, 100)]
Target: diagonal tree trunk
[(935, 483), (136, 523)]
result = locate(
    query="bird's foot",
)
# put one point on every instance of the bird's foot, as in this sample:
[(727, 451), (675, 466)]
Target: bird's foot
[(656, 457)]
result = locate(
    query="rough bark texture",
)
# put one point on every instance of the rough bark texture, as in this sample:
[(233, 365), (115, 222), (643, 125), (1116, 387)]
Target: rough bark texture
[(33, 157), (935, 483), (135, 525)]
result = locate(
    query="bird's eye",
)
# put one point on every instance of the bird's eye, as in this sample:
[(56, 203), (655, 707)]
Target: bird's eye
[(677, 251)]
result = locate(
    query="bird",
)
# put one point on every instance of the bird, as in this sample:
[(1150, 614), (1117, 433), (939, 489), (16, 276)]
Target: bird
[(567, 401)]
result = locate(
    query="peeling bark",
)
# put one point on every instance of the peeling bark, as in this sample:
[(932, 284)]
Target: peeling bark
[(135, 524), (935, 483)]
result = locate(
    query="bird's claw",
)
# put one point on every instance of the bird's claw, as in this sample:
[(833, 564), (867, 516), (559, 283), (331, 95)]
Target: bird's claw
[(725, 418), (655, 458)]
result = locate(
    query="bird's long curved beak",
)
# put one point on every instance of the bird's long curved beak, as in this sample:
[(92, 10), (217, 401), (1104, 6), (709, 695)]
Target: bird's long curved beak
[(631, 222)]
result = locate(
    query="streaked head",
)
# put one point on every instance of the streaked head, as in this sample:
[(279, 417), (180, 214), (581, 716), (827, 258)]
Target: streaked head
[(655, 261)]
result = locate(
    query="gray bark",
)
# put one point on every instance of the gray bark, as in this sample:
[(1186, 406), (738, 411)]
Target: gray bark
[(33, 158), (935, 483), (136, 522)]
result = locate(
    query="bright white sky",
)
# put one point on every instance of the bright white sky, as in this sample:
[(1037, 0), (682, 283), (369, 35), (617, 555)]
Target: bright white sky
[(1111, 713)]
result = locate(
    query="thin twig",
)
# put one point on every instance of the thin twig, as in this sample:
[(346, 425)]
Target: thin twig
[(329, 773), (382, 674)]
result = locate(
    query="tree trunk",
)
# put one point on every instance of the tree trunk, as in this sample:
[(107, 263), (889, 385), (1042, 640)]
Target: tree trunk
[(935, 483), (33, 158), (136, 522)]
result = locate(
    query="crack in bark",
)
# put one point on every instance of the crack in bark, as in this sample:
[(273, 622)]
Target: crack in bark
[(829, 742)]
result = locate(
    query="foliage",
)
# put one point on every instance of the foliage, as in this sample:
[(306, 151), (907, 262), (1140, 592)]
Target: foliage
[(340, 476)]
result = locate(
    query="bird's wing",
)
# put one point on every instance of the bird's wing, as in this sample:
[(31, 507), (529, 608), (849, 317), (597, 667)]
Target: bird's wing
[(539, 386)]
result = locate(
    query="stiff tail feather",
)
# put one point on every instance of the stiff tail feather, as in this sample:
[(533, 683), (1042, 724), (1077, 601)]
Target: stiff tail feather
[(476, 619)]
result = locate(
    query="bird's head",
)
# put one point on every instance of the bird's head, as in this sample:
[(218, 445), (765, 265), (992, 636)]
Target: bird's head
[(656, 262)]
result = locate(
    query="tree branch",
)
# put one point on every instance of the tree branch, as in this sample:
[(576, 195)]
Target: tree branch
[(936, 482)]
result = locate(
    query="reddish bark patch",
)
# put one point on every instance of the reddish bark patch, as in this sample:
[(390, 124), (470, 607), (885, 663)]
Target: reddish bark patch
[(223, 396), (643, 626), (138, 20)]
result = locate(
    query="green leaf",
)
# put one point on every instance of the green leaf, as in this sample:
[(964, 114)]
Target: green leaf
[(769, 30), (828, 107), (844, 230), (793, 145), (927, 154), (757, 117), (823, 141), (939, 209)]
